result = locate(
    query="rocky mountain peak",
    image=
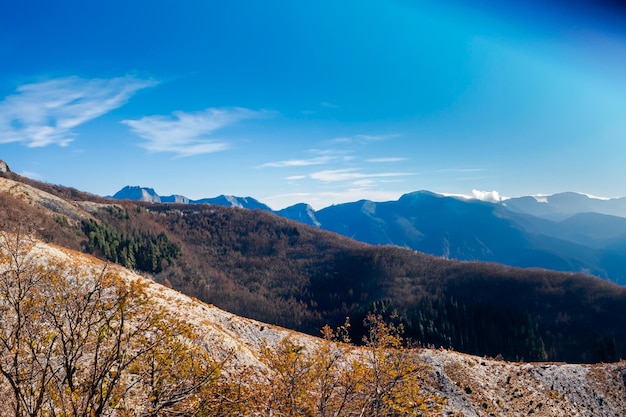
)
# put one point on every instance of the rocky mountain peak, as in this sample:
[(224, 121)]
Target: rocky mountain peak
[(137, 193)]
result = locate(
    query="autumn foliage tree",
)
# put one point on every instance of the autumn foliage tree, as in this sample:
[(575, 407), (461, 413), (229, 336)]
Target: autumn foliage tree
[(81, 342), (383, 378)]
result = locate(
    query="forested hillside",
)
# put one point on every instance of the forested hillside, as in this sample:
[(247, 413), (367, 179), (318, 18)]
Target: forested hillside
[(79, 337), (583, 238), (261, 266)]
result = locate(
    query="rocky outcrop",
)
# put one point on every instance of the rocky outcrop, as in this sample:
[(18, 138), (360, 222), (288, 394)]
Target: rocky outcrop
[(35, 197), (487, 387)]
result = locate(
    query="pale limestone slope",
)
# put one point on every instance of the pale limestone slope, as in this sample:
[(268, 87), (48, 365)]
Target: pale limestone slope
[(54, 205), (473, 386)]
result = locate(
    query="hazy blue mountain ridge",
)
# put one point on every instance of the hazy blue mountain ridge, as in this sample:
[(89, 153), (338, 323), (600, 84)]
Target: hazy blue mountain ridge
[(562, 205), (464, 230), (138, 193), (519, 232)]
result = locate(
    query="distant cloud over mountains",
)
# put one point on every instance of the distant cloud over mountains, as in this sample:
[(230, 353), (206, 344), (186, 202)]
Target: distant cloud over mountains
[(490, 196)]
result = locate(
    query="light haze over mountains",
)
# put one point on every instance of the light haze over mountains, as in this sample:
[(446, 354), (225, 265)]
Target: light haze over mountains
[(554, 207), (565, 232)]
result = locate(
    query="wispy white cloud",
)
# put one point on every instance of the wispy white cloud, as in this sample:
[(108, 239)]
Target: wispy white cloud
[(461, 170), (189, 133), (296, 177), (473, 178), (457, 195), (543, 198), (319, 160), (596, 197), (364, 183), (363, 138), (344, 154), (385, 160), (370, 138), (45, 113), (351, 174)]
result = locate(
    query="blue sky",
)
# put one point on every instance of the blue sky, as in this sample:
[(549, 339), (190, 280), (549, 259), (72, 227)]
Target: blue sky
[(320, 102)]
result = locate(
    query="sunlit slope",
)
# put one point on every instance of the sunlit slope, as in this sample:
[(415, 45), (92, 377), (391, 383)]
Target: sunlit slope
[(464, 384)]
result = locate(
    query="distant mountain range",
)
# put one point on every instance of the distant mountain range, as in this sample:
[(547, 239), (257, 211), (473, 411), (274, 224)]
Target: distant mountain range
[(149, 195), (266, 266), (562, 205), (565, 232), (259, 265)]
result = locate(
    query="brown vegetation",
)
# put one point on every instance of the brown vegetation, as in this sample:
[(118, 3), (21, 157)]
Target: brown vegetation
[(77, 341), (259, 265)]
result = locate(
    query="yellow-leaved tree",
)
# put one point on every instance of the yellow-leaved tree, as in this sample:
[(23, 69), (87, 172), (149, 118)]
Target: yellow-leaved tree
[(333, 378), (81, 340), (75, 341)]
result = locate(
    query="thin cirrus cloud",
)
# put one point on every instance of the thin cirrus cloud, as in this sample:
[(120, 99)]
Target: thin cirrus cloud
[(386, 160), (189, 133), (460, 170), (351, 174), (319, 160), (363, 138), (46, 113)]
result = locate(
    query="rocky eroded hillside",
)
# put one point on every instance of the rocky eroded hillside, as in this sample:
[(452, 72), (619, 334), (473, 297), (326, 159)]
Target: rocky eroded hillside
[(469, 385)]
